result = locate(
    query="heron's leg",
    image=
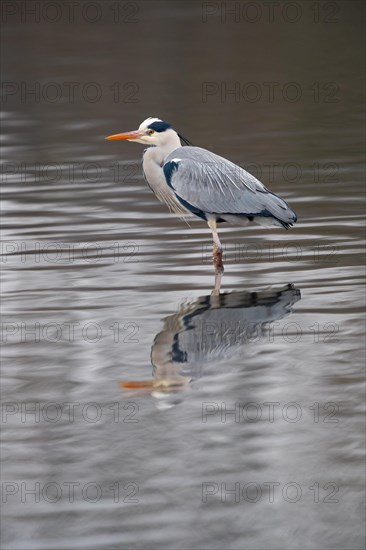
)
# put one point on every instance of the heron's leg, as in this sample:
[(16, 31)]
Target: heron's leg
[(217, 248), (217, 287)]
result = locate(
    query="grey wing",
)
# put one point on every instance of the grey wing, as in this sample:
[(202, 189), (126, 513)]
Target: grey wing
[(211, 184)]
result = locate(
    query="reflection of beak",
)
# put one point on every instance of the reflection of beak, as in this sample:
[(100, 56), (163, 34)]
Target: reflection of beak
[(160, 384), (130, 136)]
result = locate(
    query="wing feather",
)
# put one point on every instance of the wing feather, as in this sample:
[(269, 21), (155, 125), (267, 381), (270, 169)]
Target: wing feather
[(215, 185)]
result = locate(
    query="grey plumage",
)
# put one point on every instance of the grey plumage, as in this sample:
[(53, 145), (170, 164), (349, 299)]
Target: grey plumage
[(214, 328), (213, 184), (191, 180), (210, 330)]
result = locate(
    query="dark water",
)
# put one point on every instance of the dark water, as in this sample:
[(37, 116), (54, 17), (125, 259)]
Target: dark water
[(247, 430)]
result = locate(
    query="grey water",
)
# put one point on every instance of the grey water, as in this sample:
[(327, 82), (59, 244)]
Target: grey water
[(139, 410)]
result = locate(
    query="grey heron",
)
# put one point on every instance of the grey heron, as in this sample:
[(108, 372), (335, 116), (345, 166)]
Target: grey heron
[(212, 329), (192, 180)]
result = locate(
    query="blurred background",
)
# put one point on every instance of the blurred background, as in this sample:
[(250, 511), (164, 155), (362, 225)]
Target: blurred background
[(261, 444)]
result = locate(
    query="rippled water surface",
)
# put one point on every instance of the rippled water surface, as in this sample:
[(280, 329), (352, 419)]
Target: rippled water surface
[(139, 410)]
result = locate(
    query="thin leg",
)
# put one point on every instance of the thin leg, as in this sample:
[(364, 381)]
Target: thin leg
[(217, 287), (217, 248)]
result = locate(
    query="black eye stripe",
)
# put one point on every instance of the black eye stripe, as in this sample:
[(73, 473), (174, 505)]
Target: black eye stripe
[(159, 126)]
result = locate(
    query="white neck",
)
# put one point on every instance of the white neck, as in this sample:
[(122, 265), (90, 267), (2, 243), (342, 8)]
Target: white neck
[(168, 142)]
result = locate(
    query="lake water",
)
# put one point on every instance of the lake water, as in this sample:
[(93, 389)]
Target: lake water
[(139, 410)]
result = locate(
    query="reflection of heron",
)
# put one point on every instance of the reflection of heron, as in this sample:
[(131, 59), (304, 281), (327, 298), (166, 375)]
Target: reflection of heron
[(212, 328), (191, 180)]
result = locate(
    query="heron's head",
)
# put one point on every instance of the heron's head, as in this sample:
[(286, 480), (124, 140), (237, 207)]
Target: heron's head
[(152, 131)]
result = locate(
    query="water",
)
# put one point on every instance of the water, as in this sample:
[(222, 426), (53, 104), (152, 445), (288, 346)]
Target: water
[(258, 392)]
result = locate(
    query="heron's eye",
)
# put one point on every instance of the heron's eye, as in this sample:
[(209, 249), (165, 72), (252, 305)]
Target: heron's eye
[(151, 132)]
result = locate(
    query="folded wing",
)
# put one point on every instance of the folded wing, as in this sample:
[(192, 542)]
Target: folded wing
[(211, 184)]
